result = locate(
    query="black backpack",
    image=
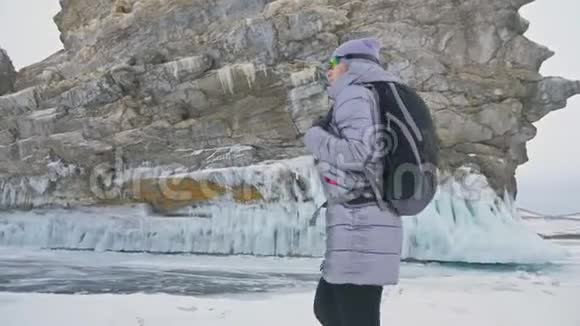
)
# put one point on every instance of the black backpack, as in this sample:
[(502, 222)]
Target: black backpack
[(410, 174)]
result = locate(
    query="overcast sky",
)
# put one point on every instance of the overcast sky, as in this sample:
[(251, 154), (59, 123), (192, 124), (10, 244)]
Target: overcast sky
[(550, 182)]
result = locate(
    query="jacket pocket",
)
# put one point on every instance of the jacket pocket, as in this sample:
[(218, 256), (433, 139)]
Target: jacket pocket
[(340, 186)]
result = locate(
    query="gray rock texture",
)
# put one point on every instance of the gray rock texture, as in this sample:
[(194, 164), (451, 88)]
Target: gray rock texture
[(7, 73), (216, 83)]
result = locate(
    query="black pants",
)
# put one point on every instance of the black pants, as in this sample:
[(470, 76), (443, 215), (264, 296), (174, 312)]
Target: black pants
[(347, 304)]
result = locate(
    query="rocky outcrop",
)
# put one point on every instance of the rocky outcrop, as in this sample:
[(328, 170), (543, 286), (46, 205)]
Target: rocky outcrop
[(7, 73), (211, 84)]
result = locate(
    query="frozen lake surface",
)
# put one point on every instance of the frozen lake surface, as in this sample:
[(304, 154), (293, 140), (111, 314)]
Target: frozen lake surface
[(60, 288), (47, 287)]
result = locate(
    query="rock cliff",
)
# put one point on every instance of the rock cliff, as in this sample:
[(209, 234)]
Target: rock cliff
[(201, 84), (7, 73)]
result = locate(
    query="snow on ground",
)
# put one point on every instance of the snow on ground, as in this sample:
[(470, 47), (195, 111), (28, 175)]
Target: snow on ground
[(429, 294), (522, 299)]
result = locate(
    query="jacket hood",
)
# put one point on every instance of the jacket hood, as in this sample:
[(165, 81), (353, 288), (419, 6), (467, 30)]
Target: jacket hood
[(361, 72)]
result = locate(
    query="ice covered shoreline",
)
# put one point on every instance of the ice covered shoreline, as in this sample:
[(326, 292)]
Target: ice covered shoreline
[(466, 222)]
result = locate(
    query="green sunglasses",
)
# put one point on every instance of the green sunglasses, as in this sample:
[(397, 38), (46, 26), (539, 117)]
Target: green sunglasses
[(334, 61)]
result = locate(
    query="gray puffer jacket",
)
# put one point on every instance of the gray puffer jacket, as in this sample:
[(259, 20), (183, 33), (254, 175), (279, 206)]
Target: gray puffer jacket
[(363, 242)]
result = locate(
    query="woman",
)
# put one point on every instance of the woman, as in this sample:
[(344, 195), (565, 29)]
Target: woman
[(364, 240)]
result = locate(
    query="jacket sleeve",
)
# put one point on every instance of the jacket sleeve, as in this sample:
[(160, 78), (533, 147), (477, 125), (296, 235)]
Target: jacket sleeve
[(352, 149)]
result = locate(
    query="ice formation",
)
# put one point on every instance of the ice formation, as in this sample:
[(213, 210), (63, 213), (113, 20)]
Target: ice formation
[(303, 77), (28, 191), (466, 222), (185, 66), (226, 75)]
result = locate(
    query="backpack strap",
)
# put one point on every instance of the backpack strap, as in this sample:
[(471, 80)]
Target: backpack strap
[(383, 118), (314, 217), (405, 111), (408, 127)]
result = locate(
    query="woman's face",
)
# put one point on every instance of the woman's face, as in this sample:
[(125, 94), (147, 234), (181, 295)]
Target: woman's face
[(335, 73)]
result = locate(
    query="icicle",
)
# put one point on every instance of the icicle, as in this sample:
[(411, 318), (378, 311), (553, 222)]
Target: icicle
[(226, 79), (249, 71), (225, 75), (188, 64), (303, 77)]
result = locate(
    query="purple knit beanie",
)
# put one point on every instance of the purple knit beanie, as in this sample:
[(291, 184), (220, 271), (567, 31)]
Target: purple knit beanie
[(370, 46)]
